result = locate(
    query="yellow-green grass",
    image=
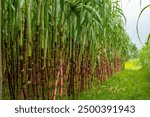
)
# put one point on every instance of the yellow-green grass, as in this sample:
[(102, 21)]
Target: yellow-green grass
[(126, 85), (133, 64)]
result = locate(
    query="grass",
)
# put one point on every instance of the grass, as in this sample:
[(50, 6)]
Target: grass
[(130, 84), (133, 64)]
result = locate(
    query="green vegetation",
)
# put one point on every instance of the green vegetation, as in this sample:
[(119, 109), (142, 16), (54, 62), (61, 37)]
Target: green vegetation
[(145, 56), (0, 54), (145, 51), (54, 49), (133, 64), (59, 49), (134, 52), (127, 85)]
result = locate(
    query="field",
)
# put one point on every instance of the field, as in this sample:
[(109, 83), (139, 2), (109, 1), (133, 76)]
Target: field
[(131, 84), (70, 49)]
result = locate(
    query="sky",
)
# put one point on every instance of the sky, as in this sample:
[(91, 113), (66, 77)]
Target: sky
[(132, 11)]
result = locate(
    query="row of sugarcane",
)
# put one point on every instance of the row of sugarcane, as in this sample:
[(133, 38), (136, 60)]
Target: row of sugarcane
[(145, 55), (145, 50), (55, 49)]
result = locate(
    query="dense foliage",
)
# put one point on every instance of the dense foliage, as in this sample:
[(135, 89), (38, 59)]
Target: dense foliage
[(145, 51), (134, 52), (54, 49), (145, 56)]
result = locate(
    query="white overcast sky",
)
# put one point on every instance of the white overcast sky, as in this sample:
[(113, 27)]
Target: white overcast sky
[(131, 11)]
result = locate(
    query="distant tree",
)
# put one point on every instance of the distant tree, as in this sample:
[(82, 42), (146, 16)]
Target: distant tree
[(134, 52)]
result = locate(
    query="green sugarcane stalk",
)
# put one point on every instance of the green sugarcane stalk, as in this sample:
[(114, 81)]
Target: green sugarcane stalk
[(61, 53), (24, 54), (42, 54), (1, 79), (10, 52), (19, 54), (29, 50), (54, 38), (36, 77), (20, 46)]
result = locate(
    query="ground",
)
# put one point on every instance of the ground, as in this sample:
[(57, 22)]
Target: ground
[(131, 84)]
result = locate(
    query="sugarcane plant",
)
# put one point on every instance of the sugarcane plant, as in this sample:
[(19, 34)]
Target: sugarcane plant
[(0, 52), (55, 49), (145, 51)]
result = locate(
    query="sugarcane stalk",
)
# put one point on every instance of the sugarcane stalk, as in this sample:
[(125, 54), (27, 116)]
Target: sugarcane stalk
[(1, 79), (61, 53), (36, 78), (54, 38), (42, 55)]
